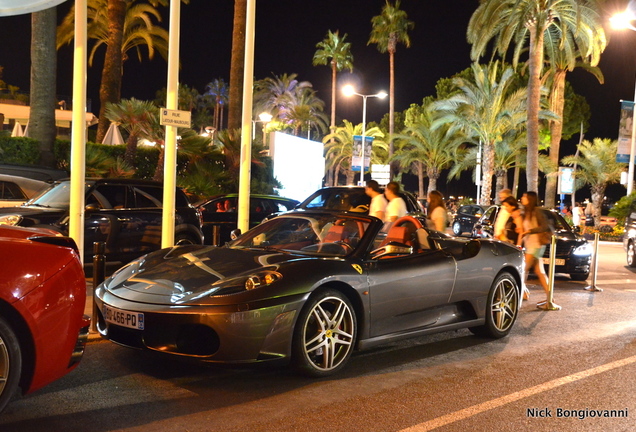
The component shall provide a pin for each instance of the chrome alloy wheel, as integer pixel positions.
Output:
(631, 259)
(4, 365)
(505, 304)
(328, 334)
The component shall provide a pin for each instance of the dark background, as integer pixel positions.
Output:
(286, 36)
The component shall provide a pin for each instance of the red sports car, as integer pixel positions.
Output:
(43, 329)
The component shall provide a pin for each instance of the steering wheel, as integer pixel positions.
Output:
(408, 219)
(344, 244)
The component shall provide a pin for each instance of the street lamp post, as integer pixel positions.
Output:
(348, 90)
(624, 20)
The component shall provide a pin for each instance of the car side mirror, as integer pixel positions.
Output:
(471, 248)
(235, 234)
(91, 207)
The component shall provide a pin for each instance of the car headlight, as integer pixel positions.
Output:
(236, 285)
(583, 250)
(11, 219)
(262, 279)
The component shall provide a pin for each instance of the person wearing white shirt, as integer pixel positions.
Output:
(502, 217)
(396, 207)
(378, 201)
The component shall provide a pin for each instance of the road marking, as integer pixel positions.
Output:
(513, 397)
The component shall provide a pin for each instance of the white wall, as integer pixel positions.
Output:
(299, 164)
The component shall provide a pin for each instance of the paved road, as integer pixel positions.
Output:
(579, 361)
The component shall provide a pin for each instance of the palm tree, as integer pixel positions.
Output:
(43, 67)
(564, 54)
(339, 148)
(484, 110)
(237, 65)
(307, 113)
(388, 29)
(229, 142)
(278, 94)
(136, 117)
(121, 25)
(527, 21)
(334, 51)
(430, 150)
(218, 91)
(596, 166)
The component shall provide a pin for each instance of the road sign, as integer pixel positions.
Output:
(175, 118)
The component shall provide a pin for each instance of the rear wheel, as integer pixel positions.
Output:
(325, 334)
(631, 259)
(502, 308)
(457, 228)
(10, 363)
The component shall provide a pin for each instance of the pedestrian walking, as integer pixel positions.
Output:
(397, 206)
(436, 212)
(378, 204)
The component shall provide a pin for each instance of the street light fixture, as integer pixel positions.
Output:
(621, 21)
(348, 90)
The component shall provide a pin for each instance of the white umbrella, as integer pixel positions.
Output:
(113, 136)
(26, 130)
(17, 130)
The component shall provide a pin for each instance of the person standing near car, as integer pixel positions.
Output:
(378, 204)
(532, 237)
(436, 211)
(502, 216)
(397, 206)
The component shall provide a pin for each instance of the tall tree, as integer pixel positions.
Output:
(484, 110)
(334, 51)
(564, 52)
(430, 149)
(277, 95)
(43, 67)
(525, 22)
(388, 29)
(218, 91)
(339, 148)
(596, 166)
(121, 25)
(237, 65)
(135, 116)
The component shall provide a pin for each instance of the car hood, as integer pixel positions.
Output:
(185, 274)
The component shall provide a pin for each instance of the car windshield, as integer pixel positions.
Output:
(56, 197)
(342, 199)
(325, 235)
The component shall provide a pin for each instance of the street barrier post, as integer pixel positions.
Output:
(594, 266)
(99, 269)
(550, 305)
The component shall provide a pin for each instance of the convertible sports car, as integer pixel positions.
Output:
(310, 287)
(43, 329)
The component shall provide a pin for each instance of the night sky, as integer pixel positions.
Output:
(286, 34)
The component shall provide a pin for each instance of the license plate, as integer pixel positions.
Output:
(133, 320)
(558, 261)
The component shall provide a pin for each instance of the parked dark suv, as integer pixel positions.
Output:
(629, 240)
(573, 252)
(125, 214)
(350, 198)
(220, 217)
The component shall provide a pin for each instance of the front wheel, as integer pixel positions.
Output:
(457, 228)
(631, 259)
(502, 308)
(325, 334)
(10, 363)
(579, 276)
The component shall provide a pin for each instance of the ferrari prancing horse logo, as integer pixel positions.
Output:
(357, 268)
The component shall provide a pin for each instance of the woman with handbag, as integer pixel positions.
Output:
(534, 233)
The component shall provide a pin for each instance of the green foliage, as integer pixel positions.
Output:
(19, 150)
(621, 209)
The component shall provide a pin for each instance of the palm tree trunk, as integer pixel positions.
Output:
(393, 165)
(110, 87)
(534, 99)
(237, 65)
(420, 178)
(488, 166)
(556, 127)
(43, 75)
